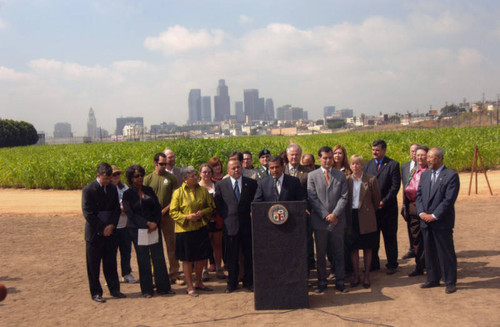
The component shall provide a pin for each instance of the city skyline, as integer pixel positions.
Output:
(135, 58)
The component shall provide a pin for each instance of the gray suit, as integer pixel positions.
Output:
(326, 199)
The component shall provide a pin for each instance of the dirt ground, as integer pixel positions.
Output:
(42, 263)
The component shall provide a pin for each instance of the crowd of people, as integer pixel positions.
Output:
(204, 217)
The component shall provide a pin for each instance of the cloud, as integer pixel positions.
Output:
(131, 66)
(244, 19)
(7, 74)
(178, 39)
(74, 71)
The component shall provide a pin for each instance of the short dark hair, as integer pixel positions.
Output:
(104, 169)
(158, 155)
(236, 154)
(309, 154)
(131, 171)
(382, 144)
(423, 147)
(276, 158)
(247, 152)
(324, 149)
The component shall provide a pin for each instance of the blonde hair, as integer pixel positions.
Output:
(356, 158)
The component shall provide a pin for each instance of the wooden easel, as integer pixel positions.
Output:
(475, 170)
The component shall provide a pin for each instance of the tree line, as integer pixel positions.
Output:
(16, 133)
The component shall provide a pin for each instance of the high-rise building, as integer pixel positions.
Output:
(328, 111)
(346, 113)
(122, 121)
(206, 109)
(62, 130)
(250, 100)
(92, 125)
(280, 112)
(239, 112)
(222, 106)
(269, 110)
(194, 106)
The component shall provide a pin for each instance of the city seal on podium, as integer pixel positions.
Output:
(278, 214)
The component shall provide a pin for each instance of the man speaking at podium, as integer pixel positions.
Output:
(277, 186)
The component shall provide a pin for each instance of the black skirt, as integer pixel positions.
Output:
(361, 241)
(192, 246)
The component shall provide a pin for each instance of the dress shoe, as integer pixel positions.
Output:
(366, 285)
(409, 255)
(374, 268)
(204, 288)
(391, 271)
(356, 282)
(98, 298)
(204, 275)
(129, 279)
(229, 290)
(220, 274)
(250, 288)
(320, 290)
(416, 272)
(169, 292)
(450, 288)
(429, 284)
(341, 288)
(118, 295)
(147, 295)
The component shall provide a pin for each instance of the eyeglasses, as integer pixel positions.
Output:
(138, 176)
(162, 163)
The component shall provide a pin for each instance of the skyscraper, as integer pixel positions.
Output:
(269, 110)
(91, 124)
(222, 105)
(122, 121)
(194, 106)
(206, 109)
(328, 111)
(250, 100)
(238, 111)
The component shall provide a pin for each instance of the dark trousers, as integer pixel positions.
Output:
(102, 249)
(418, 242)
(233, 244)
(311, 263)
(147, 254)
(125, 247)
(336, 238)
(408, 227)
(440, 257)
(387, 222)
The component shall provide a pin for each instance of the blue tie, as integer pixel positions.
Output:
(237, 190)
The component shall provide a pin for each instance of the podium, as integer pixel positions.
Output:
(279, 241)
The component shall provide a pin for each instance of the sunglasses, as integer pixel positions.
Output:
(138, 176)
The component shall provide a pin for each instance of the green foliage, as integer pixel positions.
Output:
(72, 166)
(16, 133)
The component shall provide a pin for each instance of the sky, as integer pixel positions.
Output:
(59, 58)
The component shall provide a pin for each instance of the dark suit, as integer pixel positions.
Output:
(237, 227)
(326, 199)
(405, 174)
(101, 202)
(389, 182)
(440, 258)
(290, 190)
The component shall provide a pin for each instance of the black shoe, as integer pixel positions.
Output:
(429, 284)
(118, 295)
(320, 290)
(409, 255)
(416, 272)
(229, 290)
(169, 292)
(356, 282)
(374, 268)
(366, 285)
(391, 271)
(450, 288)
(98, 298)
(341, 288)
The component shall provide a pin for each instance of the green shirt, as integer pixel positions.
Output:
(185, 202)
(163, 185)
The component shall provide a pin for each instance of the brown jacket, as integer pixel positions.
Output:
(369, 200)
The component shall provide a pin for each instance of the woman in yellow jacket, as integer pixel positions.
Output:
(191, 208)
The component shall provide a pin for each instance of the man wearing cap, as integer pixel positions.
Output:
(263, 170)
(164, 183)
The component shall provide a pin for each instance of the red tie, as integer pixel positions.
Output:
(327, 177)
